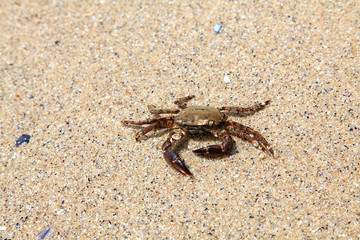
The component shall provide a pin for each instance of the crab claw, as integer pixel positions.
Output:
(217, 150)
(176, 162)
(212, 150)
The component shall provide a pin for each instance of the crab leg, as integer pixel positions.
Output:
(154, 110)
(171, 157)
(145, 130)
(181, 102)
(245, 111)
(156, 123)
(217, 150)
(248, 134)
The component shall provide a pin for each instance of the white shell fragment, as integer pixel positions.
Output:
(227, 79)
(217, 28)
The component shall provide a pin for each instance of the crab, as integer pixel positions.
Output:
(194, 120)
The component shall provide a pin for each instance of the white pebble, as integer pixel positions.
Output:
(217, 28)
(227, 79)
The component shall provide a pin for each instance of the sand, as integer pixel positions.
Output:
(71, 71)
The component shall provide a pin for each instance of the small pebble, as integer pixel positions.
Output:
(227, 79)
(23, 139)
(217, 28)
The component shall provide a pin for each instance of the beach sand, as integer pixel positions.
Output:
(72, 71)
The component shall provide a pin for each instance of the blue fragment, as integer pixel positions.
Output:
(44, 234)
(217, 28)
(23, 139)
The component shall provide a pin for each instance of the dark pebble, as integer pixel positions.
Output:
(23, 139)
